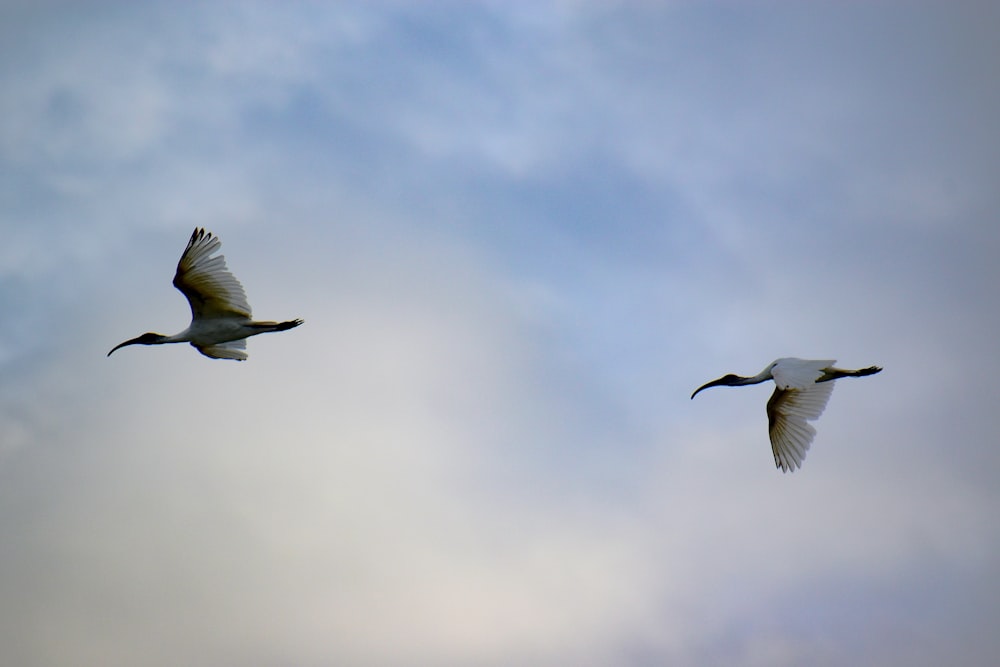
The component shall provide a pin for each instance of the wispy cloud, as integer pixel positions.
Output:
(519, 236)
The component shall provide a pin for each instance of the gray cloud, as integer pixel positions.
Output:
(519, 237)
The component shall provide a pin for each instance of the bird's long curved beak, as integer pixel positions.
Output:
(131, 341)
(724, 380)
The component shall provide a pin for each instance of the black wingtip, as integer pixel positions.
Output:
(199, 234)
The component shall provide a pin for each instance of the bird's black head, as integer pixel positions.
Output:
(145, 339)
(727, 380)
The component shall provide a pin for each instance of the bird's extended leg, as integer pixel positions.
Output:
(290, 324)
(268, 327)
(837, 373)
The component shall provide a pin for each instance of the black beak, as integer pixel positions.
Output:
(131, 341)
(722, 381)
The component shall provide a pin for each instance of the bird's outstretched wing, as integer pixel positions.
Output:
(208, 285)
(788, 413)
(233, 349)
(791, 373)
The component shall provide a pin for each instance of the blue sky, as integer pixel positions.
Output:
(520, 235)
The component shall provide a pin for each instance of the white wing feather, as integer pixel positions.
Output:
(208, 285)
(233, 349)
(788, 414)
(791, 373)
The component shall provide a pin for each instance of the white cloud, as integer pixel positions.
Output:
(341, 486)
(479, 449)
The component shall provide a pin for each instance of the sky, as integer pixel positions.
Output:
(520, 235)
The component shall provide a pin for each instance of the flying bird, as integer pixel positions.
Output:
(220, 315)
(802, 389)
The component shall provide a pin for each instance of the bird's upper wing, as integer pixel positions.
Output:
(208, 285)
(233, 349)
(788, 412)
(793, 373)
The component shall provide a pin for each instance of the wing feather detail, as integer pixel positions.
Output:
(791, 373)
(211, 290)
(788, 414)
(233, 349)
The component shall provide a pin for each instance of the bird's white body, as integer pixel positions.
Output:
(221, 319)
(218, 337)
(792, 373)
(802, 390)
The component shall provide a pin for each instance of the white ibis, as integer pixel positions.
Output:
(220, 315)
(802, 388)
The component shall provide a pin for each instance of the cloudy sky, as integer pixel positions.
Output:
(520, 234)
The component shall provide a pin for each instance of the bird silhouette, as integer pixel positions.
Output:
(802, 389)
(220, 315)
